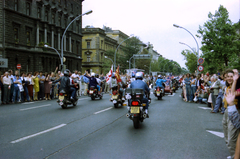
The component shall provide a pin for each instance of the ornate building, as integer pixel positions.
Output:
(26, 25)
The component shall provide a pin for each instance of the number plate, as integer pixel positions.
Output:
(114, 96)
(114, 102)
(61, 97)
(134, 110)
(91, 92)
(173, 87)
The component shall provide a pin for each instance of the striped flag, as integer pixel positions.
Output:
(109, 76)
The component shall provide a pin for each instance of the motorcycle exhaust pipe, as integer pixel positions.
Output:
(127, 115)
(144, 116)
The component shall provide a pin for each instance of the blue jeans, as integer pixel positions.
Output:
(26, 92)
(189, 92)
(72, 91)
(219, 101)
(16, 92)
(99, 88)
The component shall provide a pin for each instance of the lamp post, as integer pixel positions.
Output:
(117, 49)
(177, 26)
(86, 13)
(53, 49)
(108, 58)
(187, 45)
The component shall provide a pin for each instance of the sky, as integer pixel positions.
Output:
(152, 20)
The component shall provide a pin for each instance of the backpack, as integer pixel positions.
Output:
(85, 79)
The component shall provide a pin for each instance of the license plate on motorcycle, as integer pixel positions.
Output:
(114, 96)
(61, 97)
(114, 102)
(134, 110)
(173, 87)
(91, 92)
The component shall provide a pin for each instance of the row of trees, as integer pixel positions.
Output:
(133, 46)
(220, 44)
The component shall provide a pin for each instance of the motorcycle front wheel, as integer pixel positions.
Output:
(64, 106)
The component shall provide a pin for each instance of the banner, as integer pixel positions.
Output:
(109, 76)
(117, 75)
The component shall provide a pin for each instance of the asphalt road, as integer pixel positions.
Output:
(97, 130)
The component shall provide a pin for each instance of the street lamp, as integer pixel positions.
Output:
(47, 46)
(108, 58)
(86, 13)
(116, 51)
(177, 26)
(187, 45)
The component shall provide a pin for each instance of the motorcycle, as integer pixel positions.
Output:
(116, 98)
(159, 92)
(64, 97)
(93, 93)
(135, 106)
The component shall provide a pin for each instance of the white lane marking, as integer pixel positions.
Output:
(42, 132)
(103, 110)
(219, 134)
(204, 108)
(36, 107)
(28, 103)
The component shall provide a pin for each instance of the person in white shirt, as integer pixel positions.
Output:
(6, 88)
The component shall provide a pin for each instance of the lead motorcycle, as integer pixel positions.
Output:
(116, 97)
(136, 111)
(159, 92)
(64, 97)
(93, 93)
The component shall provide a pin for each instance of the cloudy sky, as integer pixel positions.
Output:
(152, 20)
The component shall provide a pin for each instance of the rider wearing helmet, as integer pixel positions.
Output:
(92, 81)
(138, 83)
(65, 84)
(159, 82)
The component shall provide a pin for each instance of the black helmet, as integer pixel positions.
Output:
(66, 72)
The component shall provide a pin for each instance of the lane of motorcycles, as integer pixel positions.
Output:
(133, 98)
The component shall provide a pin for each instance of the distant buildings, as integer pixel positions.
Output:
(26, 25)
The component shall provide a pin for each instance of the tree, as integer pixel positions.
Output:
(191, 59)
(219, 41)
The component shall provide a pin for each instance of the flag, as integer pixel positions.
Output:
(117, 75)
(109, 76)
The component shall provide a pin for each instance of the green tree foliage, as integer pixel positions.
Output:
(219, 41)
(191, 59)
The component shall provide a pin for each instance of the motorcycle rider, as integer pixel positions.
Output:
(93, 81)
(159, 83)
(117, 85)
(65, 84)
(138, 83)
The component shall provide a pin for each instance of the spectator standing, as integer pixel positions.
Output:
(41, 79)
(12, 86)
(17, 84)
(214, 89)
(36, 85)
(230, 131)
(25, 84)
(29, 79)
(193, 85)
(107, 87)
(47, 87)
(187, 81)
(1, 89)
(7, 88)
(184, 89)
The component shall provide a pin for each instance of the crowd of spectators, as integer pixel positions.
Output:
(213, 91)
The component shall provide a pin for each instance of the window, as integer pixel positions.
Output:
(39, 12)
(41, 36)
(28, 8)
(16, 35)
(65, 22)
(16, 5)
(88, 58)
(49, 39)
(77, 27)
(53, 18)
(101, 44)
(88, 45)
(28, 38)
(59, 20)
(46, 15)
(72, 44)
(77, 48)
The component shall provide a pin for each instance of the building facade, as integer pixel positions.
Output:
(27, 25)
(95, 43)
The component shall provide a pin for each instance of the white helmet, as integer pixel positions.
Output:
(93, 74)
(139, 75)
